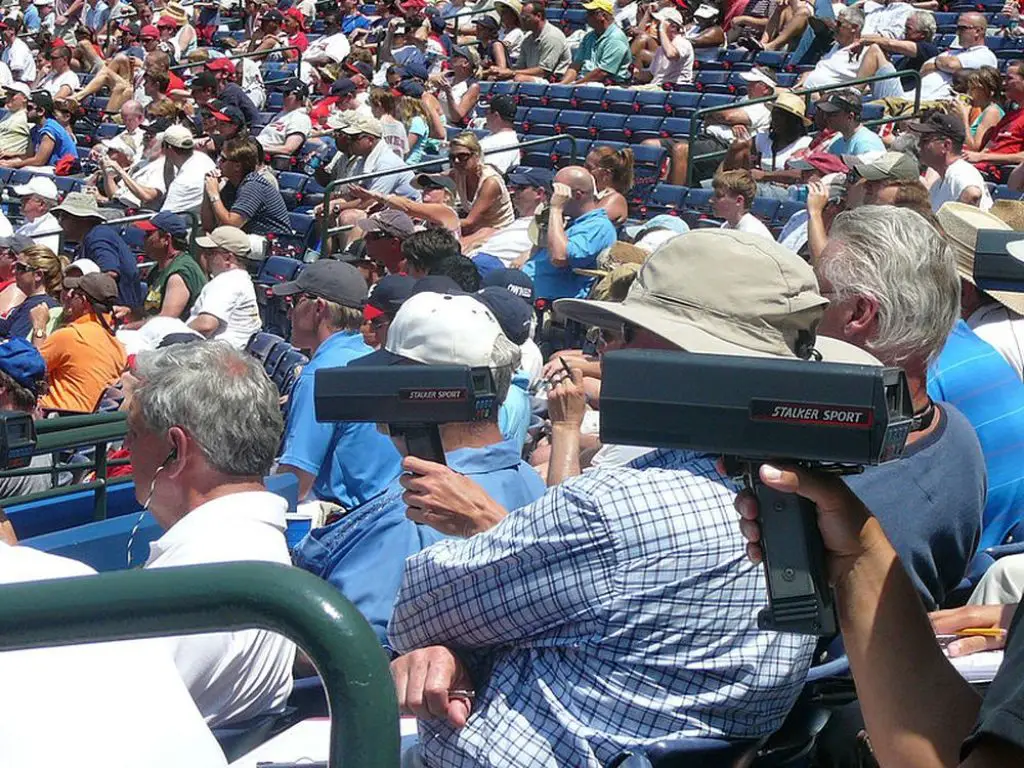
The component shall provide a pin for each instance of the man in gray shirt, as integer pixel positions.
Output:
(544, 53)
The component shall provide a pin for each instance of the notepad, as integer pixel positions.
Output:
(978, 667)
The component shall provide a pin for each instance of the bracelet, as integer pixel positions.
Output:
(215, 199)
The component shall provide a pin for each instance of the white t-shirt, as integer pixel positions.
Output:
(837, 66)
(48, 226)
(185, 192)
(531, 360)
(510, 243)
(230, 298)
(6, 78)
(513, 41)
(233, 676)
(777, 162)
(751, 224)
(148, 173)
(335, 47)
(959, 176)
(1004, 330)
(284, 125)
(938, 85)
(6, 228)
(886, 20)
(105, 721)
(252, 83)
(678, 71)
(18, 57)
(760, 121)
(501, 160)
(53, 82)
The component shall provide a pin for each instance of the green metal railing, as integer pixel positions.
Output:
(235, 57)
(95, 430)
(215, 598)
(696, 121)
(325, 228)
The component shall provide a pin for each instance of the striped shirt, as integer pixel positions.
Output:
(262, 205)
(973, 376)
(615, 611)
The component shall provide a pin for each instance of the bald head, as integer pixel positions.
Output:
(584, 190)
(975, 34)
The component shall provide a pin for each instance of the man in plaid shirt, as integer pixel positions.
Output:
(618, 609)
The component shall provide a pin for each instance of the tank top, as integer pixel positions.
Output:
(502, 214)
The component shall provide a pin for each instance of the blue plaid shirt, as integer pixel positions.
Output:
(616, 610)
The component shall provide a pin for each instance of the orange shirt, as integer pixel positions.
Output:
(82, 359)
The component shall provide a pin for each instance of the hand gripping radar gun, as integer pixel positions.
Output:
(754, 410)
(411, 399)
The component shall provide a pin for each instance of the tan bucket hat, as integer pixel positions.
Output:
(788, 101)
(1009, 211)
(723, 292)
(961, 224)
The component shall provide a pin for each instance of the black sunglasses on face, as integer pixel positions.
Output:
(20, 266)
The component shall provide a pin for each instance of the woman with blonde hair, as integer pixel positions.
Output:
(413, 114)
(480, 193)
(39, 273)
(612, 170)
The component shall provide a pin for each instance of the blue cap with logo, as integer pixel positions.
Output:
(512, 314)
(531, 177)
(515, 281)
(22, 362)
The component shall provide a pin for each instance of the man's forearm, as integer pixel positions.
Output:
(558, 243)
(916, 706)
(564, 461)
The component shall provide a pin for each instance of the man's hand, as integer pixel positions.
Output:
(841, 515)
(951, 621)
(973, 157)
(567, 402)
(432, 684)
(447, 501)
(560, 194)
(817, 197)
(212, 186)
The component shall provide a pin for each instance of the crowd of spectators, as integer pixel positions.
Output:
(546, 597)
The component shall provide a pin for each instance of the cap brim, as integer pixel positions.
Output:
(289, 288)
(382, 357)
(146, 226)
(689, 336)
(827, 106)
(206, 242)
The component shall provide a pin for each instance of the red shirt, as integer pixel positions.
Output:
(318, 114)
(299, 41)
(1004, 138)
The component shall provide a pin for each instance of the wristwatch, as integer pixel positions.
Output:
(39, 333)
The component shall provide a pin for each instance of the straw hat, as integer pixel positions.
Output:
(1011, 212)
(961, 224)
(514, 5)
(788, 101)
(175, 11)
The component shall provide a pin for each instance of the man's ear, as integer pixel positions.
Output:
(863, 320)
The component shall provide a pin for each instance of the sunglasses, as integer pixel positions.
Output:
(460, 158)
(962, 27)
(20, 266)
(296, 299)
(379, 322)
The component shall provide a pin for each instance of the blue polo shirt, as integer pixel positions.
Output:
(352, 462)
(108, 249)
(363, 554)
(515, 413)
(975, 378)
(588, 235)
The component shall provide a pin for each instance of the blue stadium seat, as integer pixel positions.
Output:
(312, 193)
(654, 103)
(785, 211)
(305, 229)
(278, 269)
(641, 127)
(531, 94)
(503, 89)
(588, 98)
(540, 121)
(559, 96)
(521, 114)
(573, 123)
(605, 126)
(560, 152)
(773, 59)
(872, 112)
(291, 186)
(737, 56)
(698, 199)
(619, 100)
(713, 82)
(275, 101)
(67, 184)
(675, 128)
(647, 162)
(715, 100)
(573, 19)
(691, 752)
(683, 103)
(108, 130)
(764, 208)
(666, 198)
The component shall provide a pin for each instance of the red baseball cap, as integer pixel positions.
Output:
(220, 65)
(167, 21)
(149, 31)
(371, 313)
(295, 13)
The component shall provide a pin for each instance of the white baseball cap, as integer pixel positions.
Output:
(84, 267)
(756, 75)
(440, 329)
(38, 185)
(670, 14)
(20, 87)
(705, 11)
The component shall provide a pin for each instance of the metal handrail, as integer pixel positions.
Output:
(325, 229)
(226, 597)
(696, 119)
(235, 57)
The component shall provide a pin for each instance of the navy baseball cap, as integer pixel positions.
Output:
(415, 68)
(512, 314)
(515, 281)
(360, 68)
(389, 294)
(165, 221)
(411, 88)
(531, 177)
(343, 86)
(294, 85)
(22, 362)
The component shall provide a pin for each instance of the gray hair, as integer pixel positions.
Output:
(854, 16)
(505, 359)
(925, 22)
(896, 257)
(220, 396)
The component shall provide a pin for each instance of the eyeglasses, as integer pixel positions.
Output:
(461, 158)
(20, 266)
(379, 322)
(295, 299)
(962, 27)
